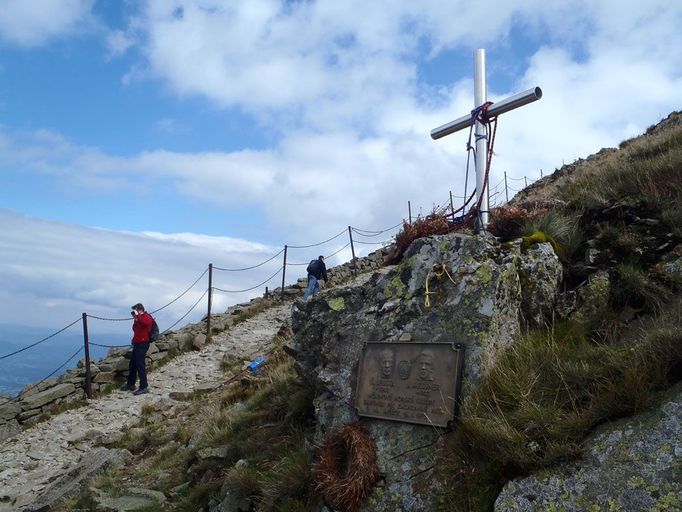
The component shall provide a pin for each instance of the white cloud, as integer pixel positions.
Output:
(339, 84)
(54, 271)
(118, 42)
(29, 23)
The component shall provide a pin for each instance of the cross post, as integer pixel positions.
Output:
(480, 132)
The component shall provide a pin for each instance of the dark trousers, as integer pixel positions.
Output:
(137, 365)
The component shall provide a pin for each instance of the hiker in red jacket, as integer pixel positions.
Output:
(142, 327)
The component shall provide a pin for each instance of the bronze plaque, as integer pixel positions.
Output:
(411, 382)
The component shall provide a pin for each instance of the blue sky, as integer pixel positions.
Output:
(142, 140)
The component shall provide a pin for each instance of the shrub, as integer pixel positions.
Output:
(506, 222)
(435, 223)
(634, 287)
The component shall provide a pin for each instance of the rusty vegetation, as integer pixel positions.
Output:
(347, 467)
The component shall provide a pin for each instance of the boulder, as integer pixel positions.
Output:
(94, 462)
(47, 396)
(475, 298)
(9, 411)
(129, 500)
(32, 389)
(199, 341)
(634, 464)
(9, 429)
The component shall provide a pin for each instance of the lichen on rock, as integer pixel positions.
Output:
(477, 299)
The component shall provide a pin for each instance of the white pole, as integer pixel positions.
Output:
(480, 97)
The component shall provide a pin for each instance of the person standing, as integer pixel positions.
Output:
(316, 270)
(142, 327)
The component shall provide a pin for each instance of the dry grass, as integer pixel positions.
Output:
(545, 394)
(347, 470)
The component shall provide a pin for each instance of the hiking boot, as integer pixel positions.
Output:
(141, 391)
(126, 387)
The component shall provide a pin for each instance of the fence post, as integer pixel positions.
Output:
(352, 250)
(525, 180)
(452, 207)
(409, 211)
(506, 189)
(284, 271)
(210, 300)
(266, 292)
(86, 345)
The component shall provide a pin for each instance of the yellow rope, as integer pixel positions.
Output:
(438, 273)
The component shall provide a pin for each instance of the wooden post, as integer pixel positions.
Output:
(266, 292)
(409, 211)
(284, 271)
(525, 180)
(210, 300)
(352, 250)
(86, 344)
(452, 206)
(506, 188)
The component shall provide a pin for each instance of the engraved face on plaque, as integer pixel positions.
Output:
(412, 382)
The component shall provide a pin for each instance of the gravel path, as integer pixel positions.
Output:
(38, 455)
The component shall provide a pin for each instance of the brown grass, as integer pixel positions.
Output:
(347, 468)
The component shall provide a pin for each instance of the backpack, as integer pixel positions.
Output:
(154, 333)
(312, 266)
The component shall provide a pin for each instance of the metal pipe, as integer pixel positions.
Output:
(505, 105)
(480, 132)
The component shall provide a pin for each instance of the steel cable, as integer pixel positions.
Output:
(373, 243)
(107, 346)
(326, 257)
(188, 312)
(363, 232)
(249, 289)
(319, 243)
(45, 378)
(156, 310)
(41, 341)
(248, 268)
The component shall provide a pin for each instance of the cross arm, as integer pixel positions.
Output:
(505, 105)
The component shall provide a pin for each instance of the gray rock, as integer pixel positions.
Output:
(9, 411)
(9, 429)
(199, 341)
(541, 274)
(33, 389)
(632, 465)
(71, 482)
(131, 499)
(105, 377)
(47, 396)
(478, 302)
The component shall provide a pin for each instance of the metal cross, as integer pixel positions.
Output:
(480, 97)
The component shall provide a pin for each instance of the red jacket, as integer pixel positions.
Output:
(142, 326)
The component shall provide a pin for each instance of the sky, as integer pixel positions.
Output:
(142, 140)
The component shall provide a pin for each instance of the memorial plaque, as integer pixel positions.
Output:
(411, 382)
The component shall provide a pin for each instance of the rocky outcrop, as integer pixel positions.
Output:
(630, 465)
(97, 460)
(479, 293)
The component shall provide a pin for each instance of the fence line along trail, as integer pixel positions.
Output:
(33, 458)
